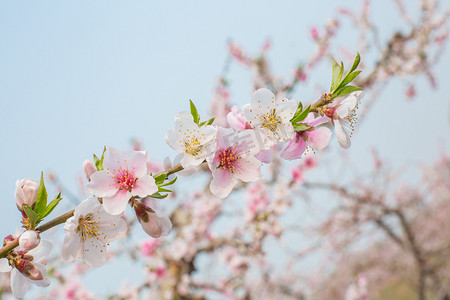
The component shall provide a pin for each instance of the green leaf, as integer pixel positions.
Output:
(158, 196)
(301, 127)
(348, 79)
(160, 178)
(337, 72)
(170, 182)
(99, 162)
(32, 216)
(298, 111)
(345, 91)
(194, 112)
(50, 207)
(301, 116)
(355, 62)
(210, 121)
(41, 202)
(163, 190)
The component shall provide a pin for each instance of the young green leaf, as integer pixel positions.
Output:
(50, 207)
(348, 79)
(170, 182)
(301, 127)
(345, 91)
(160, 178)
(41, 202)
(298, 111)
(355, 62)
(158, 196)
(99, 162)
(32, 216)
(194, 112)
(163, 190)
(301, 116)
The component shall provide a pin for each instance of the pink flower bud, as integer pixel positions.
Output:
(29, 240)
(26, 192)
(89, 169)
(29, 270)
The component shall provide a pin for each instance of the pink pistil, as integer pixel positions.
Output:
(227, 158)
(125, 179)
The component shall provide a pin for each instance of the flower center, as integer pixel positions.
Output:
(125, 179)
(193, 146)
(87, 227)
(271, 121)
(227, 158)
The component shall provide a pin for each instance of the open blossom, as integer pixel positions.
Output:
(343, 116)
(124, 176)
(316, 138)
(89, 231)
(271, 116)
(189, 139)
(234, 160)
(26, 192)
(27, 267)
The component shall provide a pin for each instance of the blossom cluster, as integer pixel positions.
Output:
(234, 153)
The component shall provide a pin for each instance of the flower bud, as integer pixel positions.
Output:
(89, 169)
(29, 270)
(30, 239)
(153, 224)
(26, 192)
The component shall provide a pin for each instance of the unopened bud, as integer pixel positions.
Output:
(29, 270)
(9, 238)
(89, 169)
(30, 239)
(329, 112)
(26, 192)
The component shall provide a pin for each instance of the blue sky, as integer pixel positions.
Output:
(78, 75)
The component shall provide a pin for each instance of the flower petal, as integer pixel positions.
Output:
(248, 169)
(102, 184)
(19, 284)
(116, 204)
(86, 206)
(111, 159)
(236, 118)
(318, 121)
(94, 253)
(144, 186)
(319, 138)
(173, 140)
(222, 183)
(348, 104)
(136, 161)
(71, 248)
(157, 225)
(112, 230)
(341, 135)
(265, 156)
(4, 265)
(41, 251)
(189, 161)
(294, 149)
(264, 98)
(286, 109)
(45, 281)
